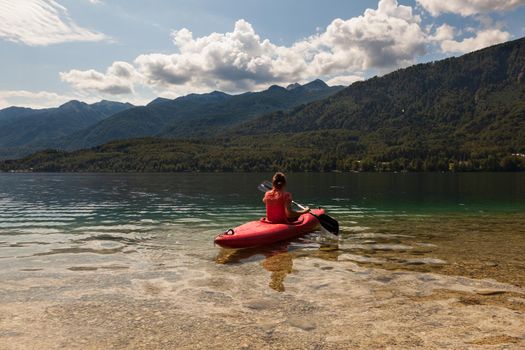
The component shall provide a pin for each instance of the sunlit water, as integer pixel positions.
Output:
(76, 243)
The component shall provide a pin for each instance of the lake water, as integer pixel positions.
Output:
(128, 261)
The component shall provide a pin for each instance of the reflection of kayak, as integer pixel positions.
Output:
(261, 232)
(277, 260)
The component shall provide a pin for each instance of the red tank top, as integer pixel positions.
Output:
(276, 203)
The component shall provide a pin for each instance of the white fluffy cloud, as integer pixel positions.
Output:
(347, 50)
(382, 39)
(444, 32)
(229, 61)
(379, 40)
(390, 36)
(468, 7)
(38, 99)
(118, 79)
(481, 39)
(48, 99)
(41, 22)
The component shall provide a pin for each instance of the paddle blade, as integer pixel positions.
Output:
(263, 188)
(330, 224)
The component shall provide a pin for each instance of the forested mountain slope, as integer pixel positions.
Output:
(474, 103)
(22, 129)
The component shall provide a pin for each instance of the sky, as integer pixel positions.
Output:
(53, 51)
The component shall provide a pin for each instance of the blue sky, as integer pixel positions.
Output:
(56, 50)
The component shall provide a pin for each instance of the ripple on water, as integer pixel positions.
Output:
(114, 236)
(360, 258)
(354, 228)
(422, 261)
(128, 227)
(94, 249)
(192, 220)
(33, 224)
(16, 219)
(376, 247)
(378, 235)
(45, 214)
(33, 230)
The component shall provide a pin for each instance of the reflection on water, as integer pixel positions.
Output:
(92, 242)
(278, 258)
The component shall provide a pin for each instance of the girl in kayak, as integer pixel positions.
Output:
(279, 202)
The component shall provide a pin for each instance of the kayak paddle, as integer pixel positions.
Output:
(327, 222)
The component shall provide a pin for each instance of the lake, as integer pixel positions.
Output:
(128, 261)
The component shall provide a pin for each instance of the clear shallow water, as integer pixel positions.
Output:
(80, 219)
(150, 236)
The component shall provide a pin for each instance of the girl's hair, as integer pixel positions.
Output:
(278, 181)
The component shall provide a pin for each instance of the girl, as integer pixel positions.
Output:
(279, 203)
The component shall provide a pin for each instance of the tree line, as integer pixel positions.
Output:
(290, 153)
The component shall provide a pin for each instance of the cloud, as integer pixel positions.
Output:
(49, 99)
(483, 38)
(40, 23)
(444, 32)
(235, 60)
(344, 80)
(446, 35)
(118, 79)
(468, 7)
(383, 39)
(32, 99)
(96, 2)
(388, 37)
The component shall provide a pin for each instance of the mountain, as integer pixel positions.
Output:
(316, 85)
(293, 86)
(473, 103)
(461, 114)
(158, 100)
(195, 115)
(108, 108)
(14, 112)
(24, 129)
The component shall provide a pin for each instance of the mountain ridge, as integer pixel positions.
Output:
(193, 115)
(26, 128)
(464, 113)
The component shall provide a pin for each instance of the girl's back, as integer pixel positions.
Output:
(279, 202)
(276, 203)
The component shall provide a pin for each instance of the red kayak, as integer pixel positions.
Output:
(261, 232)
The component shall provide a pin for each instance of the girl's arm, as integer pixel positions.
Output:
(292, 214)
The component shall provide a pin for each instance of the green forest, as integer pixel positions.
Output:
(318, 151)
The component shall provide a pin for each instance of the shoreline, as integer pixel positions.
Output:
(257, 171)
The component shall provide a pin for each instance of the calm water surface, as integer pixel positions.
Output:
(413, 221)
(70, 236)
